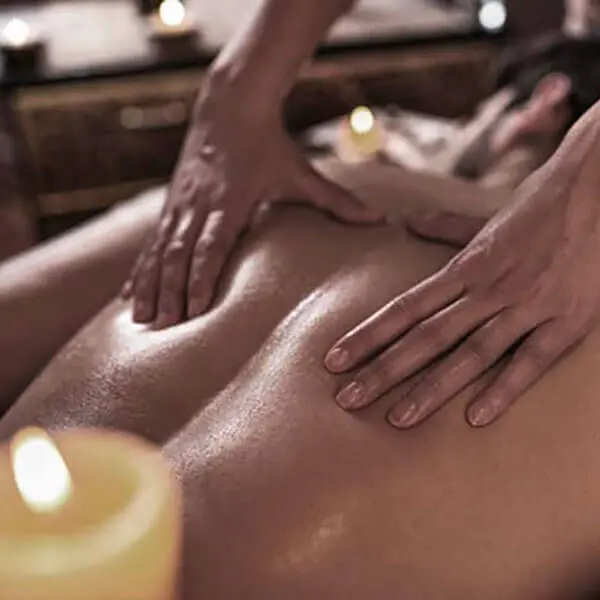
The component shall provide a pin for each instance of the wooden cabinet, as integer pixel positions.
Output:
(90, 144)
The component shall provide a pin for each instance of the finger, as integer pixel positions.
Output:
(393, 320)
(531, 359)
(335, 200)
(145, 287)
(176, 260)
(474, 389)
(454, 229)
(419, 347)
(474, 356)
(210, 254)
(129, 286)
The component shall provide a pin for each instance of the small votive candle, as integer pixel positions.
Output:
(360, 136)
(88, 514)
(171, 21)
(19, 44)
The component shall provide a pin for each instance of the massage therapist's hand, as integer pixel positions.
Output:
(449, 228)
(236, 157)
(526, 288)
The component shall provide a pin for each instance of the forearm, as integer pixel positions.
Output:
(571, 177)
(269, 49)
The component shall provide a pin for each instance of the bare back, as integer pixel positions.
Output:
(288, 496)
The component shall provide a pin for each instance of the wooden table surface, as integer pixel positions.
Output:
(88, 34)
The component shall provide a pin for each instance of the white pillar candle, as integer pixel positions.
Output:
(94, 516)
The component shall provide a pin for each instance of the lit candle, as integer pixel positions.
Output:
(20, 45)
(360, 136)
(16, 34)
(171, 20)
(95, 516)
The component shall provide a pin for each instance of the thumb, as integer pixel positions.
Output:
(340, 203)
(451, 228)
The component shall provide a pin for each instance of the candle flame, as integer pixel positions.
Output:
(40, 472)
(172, 12)
(362, 120)
(16, 32)
(492, 15)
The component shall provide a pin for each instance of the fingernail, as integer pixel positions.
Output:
(481, 416)
(337, 359)
(351, 396)
(405, 417)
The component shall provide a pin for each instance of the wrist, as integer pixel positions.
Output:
(267, 52)
(248, 73)
(235, 97)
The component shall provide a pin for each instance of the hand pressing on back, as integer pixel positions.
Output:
(236, 157)
(517, 297)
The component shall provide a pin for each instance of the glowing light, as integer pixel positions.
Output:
(172, 13)
(362, 120)
(16, 32)
(492, 15)
(40, 473)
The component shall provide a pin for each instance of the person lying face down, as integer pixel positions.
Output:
(286, 496)
(538, 90)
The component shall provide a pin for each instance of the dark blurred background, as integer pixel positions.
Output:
(95, 97)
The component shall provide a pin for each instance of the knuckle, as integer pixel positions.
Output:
(176, 251)
(401, 308)
(535, 355)
(153, 252)
(199, 260)
(431, 336)
(202, 248)
(476, 349)
(206, 248)
(215, 219)
(362, 342)
(164, 227)
(197, 277)
(173, 275)
(380, 375)
(375, 378)
(144, 283)
(431, 393)
(212, 243)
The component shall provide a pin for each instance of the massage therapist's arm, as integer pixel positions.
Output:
(517, 297)
(236, 156)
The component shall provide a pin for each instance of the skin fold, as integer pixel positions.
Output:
(286, 495)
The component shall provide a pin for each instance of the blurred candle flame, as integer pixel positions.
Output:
(16, 32)
(172, 12)
(362, 120)
(40, 472)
